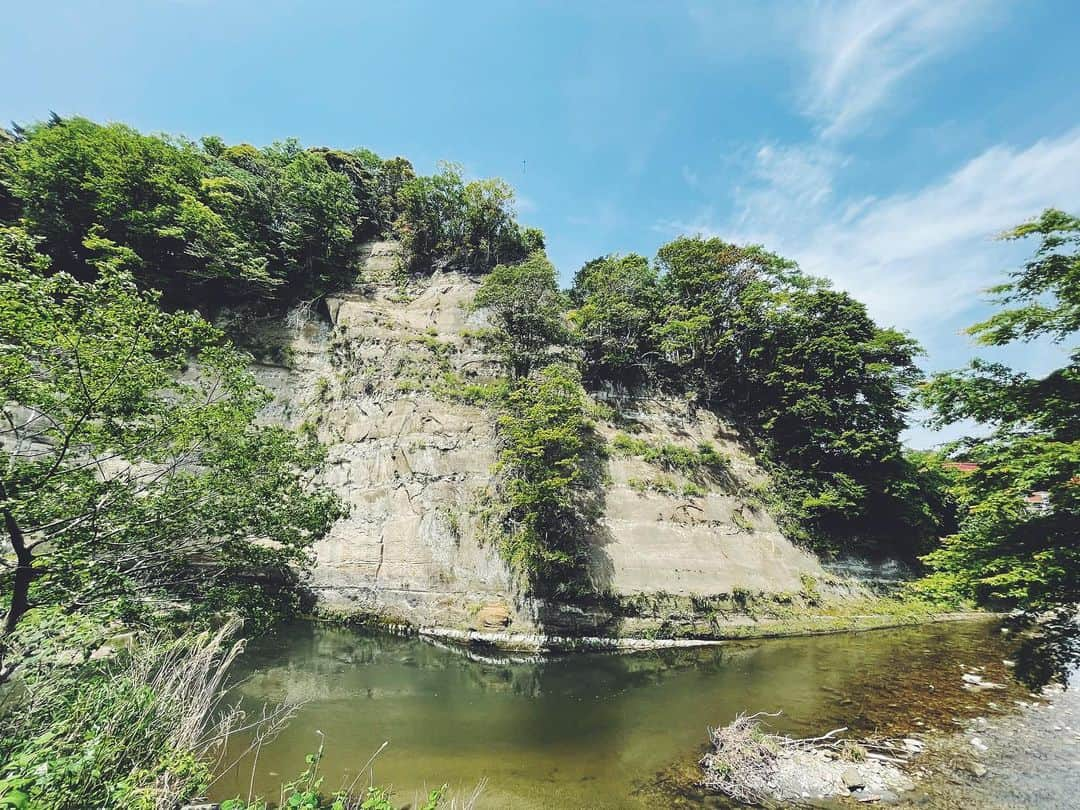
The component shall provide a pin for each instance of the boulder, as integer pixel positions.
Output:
(853, 779)
(492, 616)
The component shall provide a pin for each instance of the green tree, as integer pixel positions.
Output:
(526, 308)
(714, 300)
(9, 205)
(75, 178)
(548, 470)
(615, 300)
(315, 220)
(469, 226)
(209, 223)
(1007, 549)
(819, 383)
(827, 387)
(490, 233)
(132, 471)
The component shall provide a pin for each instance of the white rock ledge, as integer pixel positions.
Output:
(531, 642)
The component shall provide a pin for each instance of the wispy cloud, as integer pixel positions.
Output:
(925, 256)
(787, 183)
(916, 259)
(861, 52)
(921, 260)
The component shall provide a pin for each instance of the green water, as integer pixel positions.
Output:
(584, 730)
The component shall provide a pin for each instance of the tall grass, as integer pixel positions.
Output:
(140, 729)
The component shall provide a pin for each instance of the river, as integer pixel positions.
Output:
(587, 729)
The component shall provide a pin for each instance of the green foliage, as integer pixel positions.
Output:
(526, 310)
(1047, 289)
(1006, 549)
(830, 399)
(209, 223)
(305, 793)
(548, 471)
(131, 731)
(76, 180)
(132, 470)
(615, 300)
(665, 485)
(705, 460)
(470, 226)
(821, 385)
(809, 591)
(626, 445)
(479, 392)
(714, 300)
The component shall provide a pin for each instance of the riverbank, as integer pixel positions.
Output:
(773, 621)
(735, 631)
(998, 746)
(1027, 759)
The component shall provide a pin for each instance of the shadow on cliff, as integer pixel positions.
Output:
(579, 607)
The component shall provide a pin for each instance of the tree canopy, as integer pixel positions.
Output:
(211, 224)
(821, 385)
(525, 307)
(133, 474)
(1020, 507)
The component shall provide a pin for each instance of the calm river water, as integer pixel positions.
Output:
(585, 730)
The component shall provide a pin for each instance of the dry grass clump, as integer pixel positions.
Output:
(753, 767)
(743, 761)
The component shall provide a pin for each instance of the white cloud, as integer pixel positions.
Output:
(916, 259)
(860, 52)
(920, 261)
(925, 256)
(788, 182)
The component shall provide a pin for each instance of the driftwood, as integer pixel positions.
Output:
(743, 763)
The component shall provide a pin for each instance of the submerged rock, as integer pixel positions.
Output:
(853, 778)
(976, 769)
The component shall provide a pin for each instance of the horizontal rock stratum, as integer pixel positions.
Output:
(366, 370)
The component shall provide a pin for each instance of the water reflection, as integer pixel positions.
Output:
(587, 730)
(1049, 649)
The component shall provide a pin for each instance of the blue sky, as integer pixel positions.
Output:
(881, 144)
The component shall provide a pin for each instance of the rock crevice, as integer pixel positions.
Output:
(380, 382)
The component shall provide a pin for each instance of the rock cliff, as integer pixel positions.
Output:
(381, 375)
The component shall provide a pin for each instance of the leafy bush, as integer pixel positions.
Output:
(549, 470)
(133, 731)
(305, 793)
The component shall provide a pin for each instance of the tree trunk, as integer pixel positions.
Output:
(24, 572)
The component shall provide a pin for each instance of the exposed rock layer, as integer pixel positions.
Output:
(377, 373)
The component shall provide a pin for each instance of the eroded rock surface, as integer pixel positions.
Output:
(379, 374)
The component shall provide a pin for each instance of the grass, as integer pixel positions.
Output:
(702, 461)
(745, 613)
(665, 485)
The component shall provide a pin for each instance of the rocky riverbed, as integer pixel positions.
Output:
(1021, 751)
(1027, 759)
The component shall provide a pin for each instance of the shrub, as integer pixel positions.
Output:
(133, 731)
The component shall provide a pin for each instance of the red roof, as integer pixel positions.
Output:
(962, 466)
